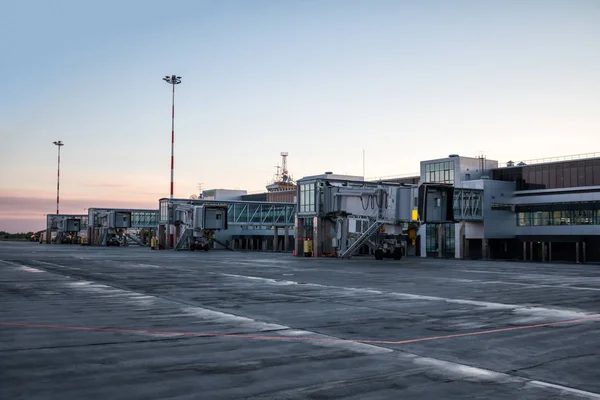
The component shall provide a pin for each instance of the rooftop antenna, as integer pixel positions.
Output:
(364, 177)
(481, 157)
(285, 175)
(284, 155)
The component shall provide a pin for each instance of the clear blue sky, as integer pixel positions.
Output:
(321, 79)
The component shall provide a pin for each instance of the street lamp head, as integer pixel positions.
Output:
(172, 80)
(59, 143)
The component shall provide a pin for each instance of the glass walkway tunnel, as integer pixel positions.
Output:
(250, 225)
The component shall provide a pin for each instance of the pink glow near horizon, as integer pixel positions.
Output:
(23, 214)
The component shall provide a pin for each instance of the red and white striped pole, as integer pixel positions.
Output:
(58, 144)
(172, 139)
(172, 80)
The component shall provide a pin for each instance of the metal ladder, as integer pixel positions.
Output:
(183, 239)
(366, 235)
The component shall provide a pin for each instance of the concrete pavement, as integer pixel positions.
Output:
(83, 322)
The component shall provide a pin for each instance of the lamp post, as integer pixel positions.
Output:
(172, 80)
(58, 144)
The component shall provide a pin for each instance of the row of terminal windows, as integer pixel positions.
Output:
(585, 213)
(441, 172)
(552, 176)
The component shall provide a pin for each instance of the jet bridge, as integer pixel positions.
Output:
(196, 225)
(119, 226)
(65, 228)
(343, 217)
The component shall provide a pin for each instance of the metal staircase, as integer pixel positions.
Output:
(223, 244)
(135, 239)
(183, 239)
(104, 237)
(362, 239)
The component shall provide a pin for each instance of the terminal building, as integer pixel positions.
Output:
(540, 210)
(555, 209)
(455, 207)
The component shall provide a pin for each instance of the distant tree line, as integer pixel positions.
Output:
(15, 236)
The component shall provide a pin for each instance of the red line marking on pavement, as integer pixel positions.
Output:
(283, 338)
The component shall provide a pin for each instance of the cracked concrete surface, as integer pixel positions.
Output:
(299, 317)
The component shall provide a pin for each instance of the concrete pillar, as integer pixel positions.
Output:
(167, 230)
(549, 251)
(275, 239)
(543, 251)
(531, 251)
(286, 241)
(460, 240)
(583, 252)
(299, 236)
(577, 252)
(440, 234)
(169, 237)
(264, 245)
(484, 249)
(316, 236)
(524, 251)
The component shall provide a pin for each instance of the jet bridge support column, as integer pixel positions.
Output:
(531, 250)
(485, 249)
(440, 235)
(275, 239)
(286, 231)
(316, 237)
(299, 235)
(543, 251)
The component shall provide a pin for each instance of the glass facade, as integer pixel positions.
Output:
(164, 211)
(307, 198)
(432, 242)
(144, 218)
(552, 176)
(583, 213)
(440, 172)
(262, 214)
(256, 214)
